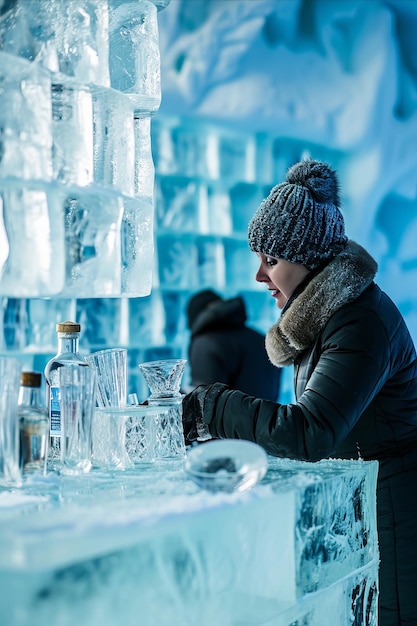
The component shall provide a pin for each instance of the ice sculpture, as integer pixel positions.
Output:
(81, 79)
(299, 548)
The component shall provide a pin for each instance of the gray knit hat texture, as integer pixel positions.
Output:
(300, 220)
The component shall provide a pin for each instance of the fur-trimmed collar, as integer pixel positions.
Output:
(341, 281)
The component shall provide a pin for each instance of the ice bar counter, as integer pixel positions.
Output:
(149, 547)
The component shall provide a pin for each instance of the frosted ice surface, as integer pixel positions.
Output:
(68, 37)
(25, 120)
(144, 166)
(26, 324)
(245, 199)
(114, 148)
(163, 148)
(236, 157)
(175, 323)
(324, 550)
(101, 320)
(147, 320)
(202, 150)
(177, 204)
(107, 549)
(134, 57)
(32, 234)
(72, 127)
(177, 261)
(93, 247)
(137, 247)
(219, 211)
(211, 264)
(191, 151)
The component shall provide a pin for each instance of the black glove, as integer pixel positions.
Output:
(193, 412)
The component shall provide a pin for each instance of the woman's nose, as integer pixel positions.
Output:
(260, 275)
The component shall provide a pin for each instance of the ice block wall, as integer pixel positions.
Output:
(80, 81)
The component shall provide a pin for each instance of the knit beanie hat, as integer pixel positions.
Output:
(300, 220)
(198, 303)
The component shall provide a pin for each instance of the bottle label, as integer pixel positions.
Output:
(55, 413)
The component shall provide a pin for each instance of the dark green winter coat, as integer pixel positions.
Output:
(355, 372)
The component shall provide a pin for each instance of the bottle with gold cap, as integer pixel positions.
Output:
(33, 422)
(67, 355)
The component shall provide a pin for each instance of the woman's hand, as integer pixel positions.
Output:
(194, 425)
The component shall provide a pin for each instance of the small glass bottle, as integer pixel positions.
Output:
(33, 422)
(67, 355)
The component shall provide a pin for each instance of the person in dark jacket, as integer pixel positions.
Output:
(355, 367)
(224, 349)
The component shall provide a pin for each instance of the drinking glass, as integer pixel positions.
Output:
(109, 423)
(164, 381)
(109, 438)
(10, 369)
(111, 368)
(77, 386)
(163, 377)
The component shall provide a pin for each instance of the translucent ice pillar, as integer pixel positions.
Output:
(80, 81)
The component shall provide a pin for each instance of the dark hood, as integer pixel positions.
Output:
(221, 314)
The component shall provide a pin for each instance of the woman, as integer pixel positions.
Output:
(355, 367)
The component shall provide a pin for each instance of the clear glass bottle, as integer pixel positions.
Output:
(33, 423)
(67, 355)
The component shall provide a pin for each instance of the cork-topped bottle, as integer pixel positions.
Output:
(67, 356)
(33, 422)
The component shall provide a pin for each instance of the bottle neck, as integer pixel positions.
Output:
(68, 342)
(29, 396)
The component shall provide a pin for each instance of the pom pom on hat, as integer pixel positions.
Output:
(300, 220)
(318, 177)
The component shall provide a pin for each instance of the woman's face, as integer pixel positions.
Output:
(280, 276)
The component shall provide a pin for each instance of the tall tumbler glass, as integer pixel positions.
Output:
(77, 387)
(111, 368)
(10, 369)
(109, 423)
